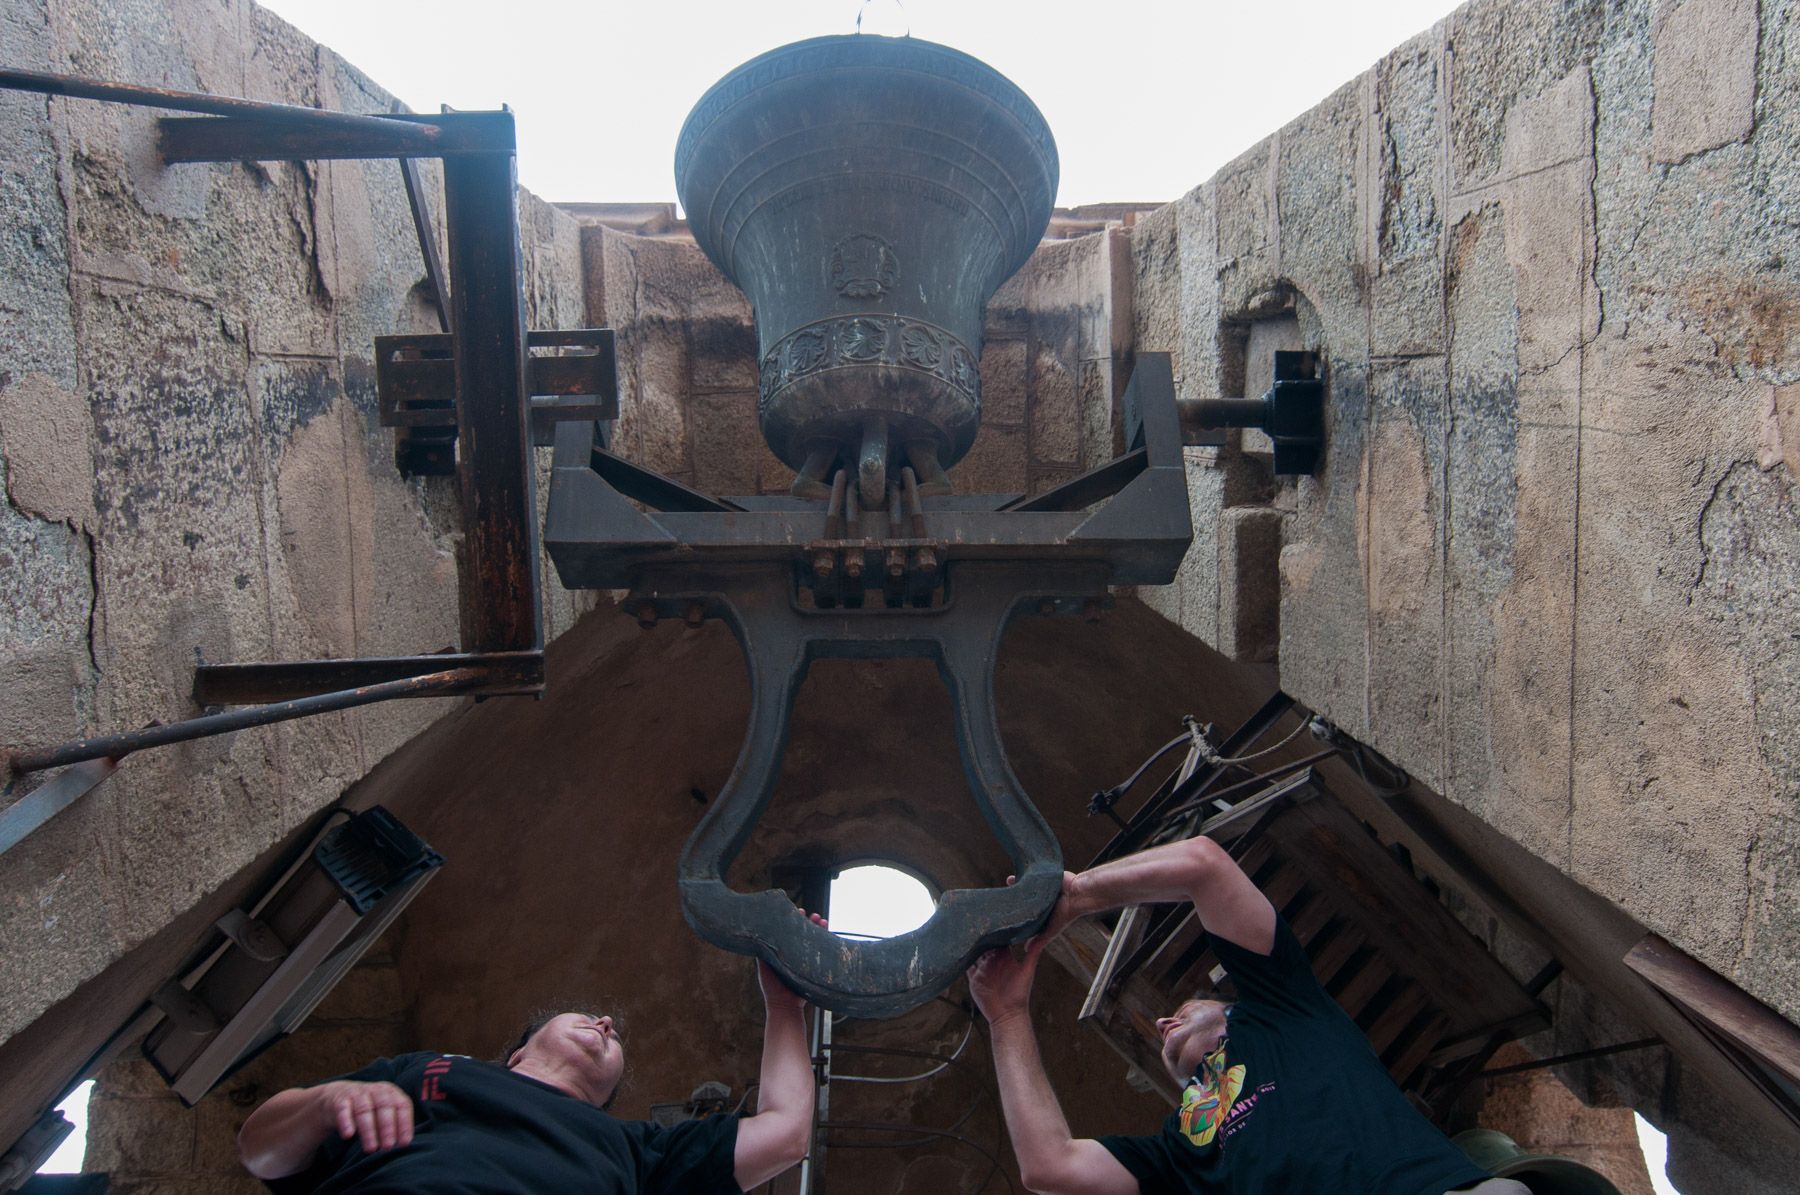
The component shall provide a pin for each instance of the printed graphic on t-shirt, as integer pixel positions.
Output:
(431, 1086)
(1208, 1099)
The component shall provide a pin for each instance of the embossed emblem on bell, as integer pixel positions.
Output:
(922, 179)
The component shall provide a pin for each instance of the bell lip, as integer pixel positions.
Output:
(1004, 92)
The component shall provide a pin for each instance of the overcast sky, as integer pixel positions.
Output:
(1147, 98)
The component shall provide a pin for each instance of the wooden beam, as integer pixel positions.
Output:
(1758, 1030)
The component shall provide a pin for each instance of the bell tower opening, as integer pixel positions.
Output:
(876, 899)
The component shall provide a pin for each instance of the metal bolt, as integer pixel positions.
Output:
(695, 614)
(926, 559)
(646, 615)
(1046, 606)
(853, 564)
(896, 562)
(823, 564)
(1092, 610)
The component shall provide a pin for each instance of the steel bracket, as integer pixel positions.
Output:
(781, 636)
(792, 578)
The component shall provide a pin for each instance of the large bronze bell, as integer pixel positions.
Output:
(869, 194)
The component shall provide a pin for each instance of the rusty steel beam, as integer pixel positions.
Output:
(505, 673)
(452, 683)
(501, 610)
(422, 138)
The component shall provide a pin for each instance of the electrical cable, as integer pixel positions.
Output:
(957, 1053)
(1215, 758)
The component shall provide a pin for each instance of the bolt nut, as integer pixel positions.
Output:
(1092, 610)
(1046, 606)
(646, 615)
(695, 614)
(823, 564)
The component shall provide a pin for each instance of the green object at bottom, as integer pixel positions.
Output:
(1545, 1174)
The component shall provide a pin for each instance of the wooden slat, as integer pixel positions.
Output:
(1118, 944)
(1410, 929)
(1410, 1052)
(1363, 986)
(1328, 962)
(1128, 1024)
(1312, 920)
(1284, 886)
(1396, 1017)
(1761, 1032)
(1176, 942)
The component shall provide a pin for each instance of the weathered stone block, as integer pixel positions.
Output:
(1244, 198)
(1500, 53)
(1402, 548)
(1324, 605)
(1197, 348)
(725, 433)
(996, 464)
(1250, 583)
(1704, 74)
(723, 356)
(1055, 412)
(1156, 284)
(139, 1137)
(1003, 383)
(36, 320)
(653, 411)
(1317, 231)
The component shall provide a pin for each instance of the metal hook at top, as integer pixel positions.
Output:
(900, 12)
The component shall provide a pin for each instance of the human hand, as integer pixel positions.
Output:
(775, 991)
(1001, 979)
(1067, 909)
(379, 1115)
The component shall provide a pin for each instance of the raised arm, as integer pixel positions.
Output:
(781, 1131)
(1051, 1161)
(1230, 906)
(281, 1137)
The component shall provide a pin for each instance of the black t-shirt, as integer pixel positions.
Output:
(479, 1129)
(1293, 1100)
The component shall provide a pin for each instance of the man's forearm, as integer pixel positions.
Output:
(781, 1131)
(281, 1137)
(787, 1073)
(1171, 872)
(1034, 1119)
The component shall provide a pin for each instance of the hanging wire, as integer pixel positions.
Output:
(968, 1032)
(1213, 757)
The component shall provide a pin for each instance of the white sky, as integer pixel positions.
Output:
(878, 902)
(1146, 98)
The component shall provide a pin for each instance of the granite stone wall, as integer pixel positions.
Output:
(1549, 562)
(194, 469)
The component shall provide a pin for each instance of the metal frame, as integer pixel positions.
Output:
(488, 377)
(932, 576)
